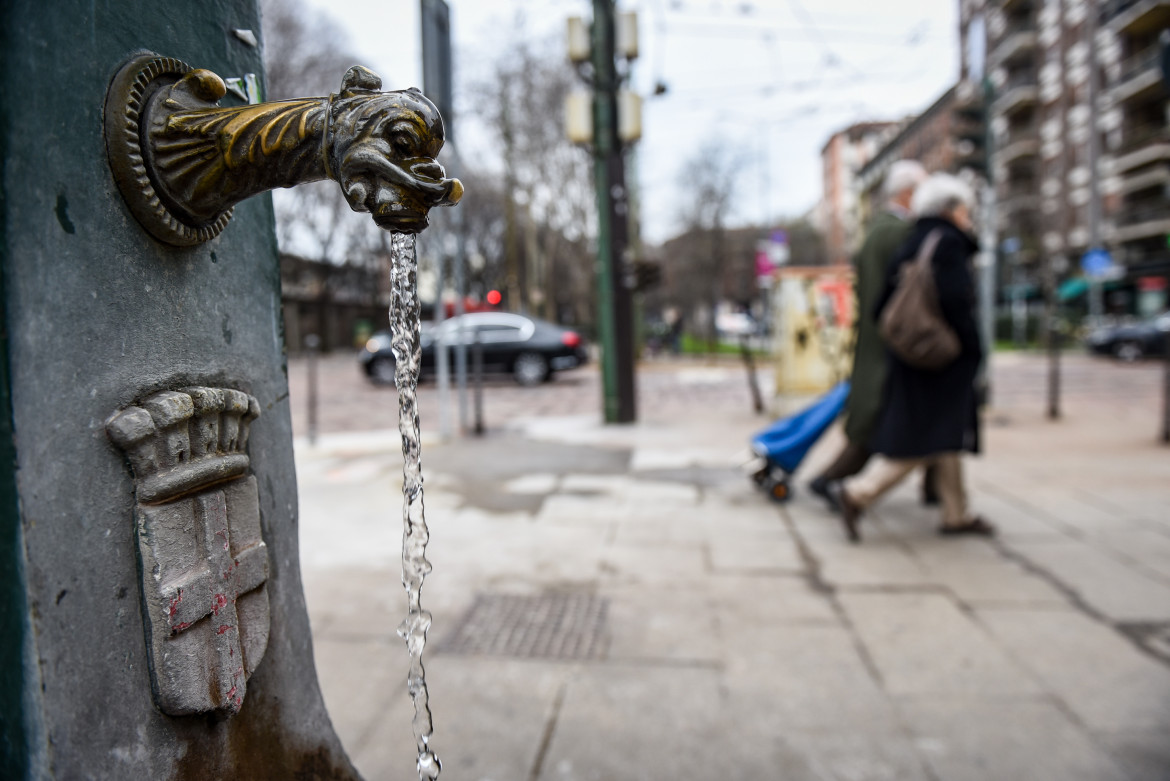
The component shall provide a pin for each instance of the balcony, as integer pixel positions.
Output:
(1141, 77)
(1017, 144)
(1020, 39)
(1155, 177)
(1142, 146)
(1142, 220)
(1020, 92)
(1135, 17)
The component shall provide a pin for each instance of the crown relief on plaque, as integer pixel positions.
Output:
(204, 562)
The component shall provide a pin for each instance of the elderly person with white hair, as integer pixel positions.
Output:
(886, 235)
(929, 416)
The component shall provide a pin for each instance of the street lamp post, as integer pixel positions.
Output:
(615, 279)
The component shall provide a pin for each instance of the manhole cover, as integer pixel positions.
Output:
(549, 626)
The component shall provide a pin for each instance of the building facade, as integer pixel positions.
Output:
(1139, 141)
(1081, 153)
(948, 136)
(839, 215)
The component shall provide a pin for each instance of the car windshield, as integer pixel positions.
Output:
(491, 326)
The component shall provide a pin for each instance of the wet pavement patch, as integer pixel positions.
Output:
(481, 473)
(553, 625)
(481, 458)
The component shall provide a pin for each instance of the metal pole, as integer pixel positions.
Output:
(442, 362)
(614, 302)
(1053, 358)
(986, 264)
(312, 345)
(1096, 309)
(1019, 303)
(460, 264)
(749, 363)
(1166, 394)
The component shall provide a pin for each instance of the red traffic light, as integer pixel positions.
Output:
(494, 297)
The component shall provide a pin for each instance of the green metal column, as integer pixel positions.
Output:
(614, 299)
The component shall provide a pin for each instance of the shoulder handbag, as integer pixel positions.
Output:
(912, 324)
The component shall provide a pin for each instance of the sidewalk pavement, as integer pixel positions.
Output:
(620, 602)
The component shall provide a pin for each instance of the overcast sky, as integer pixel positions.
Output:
(774, 77)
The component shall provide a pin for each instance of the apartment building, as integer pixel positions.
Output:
(842, 158)
(948, 136)
(1081, 148)
(1138, 137)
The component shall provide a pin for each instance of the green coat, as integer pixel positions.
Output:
(885, 237)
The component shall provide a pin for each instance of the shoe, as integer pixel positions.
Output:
(820, 487)
(850, 513)
(976, 526)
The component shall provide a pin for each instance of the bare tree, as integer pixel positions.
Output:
(709, 181)
(306, 54)
(549, 204)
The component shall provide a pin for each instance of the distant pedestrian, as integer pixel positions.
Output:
(929, 416)
(886, 236)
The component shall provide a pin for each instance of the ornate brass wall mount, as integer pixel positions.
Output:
(182, 162)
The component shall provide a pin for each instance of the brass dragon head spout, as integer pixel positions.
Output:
(381, 149)
(182, 161)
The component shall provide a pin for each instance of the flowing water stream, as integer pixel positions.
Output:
(405, 342)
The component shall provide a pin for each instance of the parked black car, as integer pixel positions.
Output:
(1131, 341)
(530, 349)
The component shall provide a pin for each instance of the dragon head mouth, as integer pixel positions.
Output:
(383, 151)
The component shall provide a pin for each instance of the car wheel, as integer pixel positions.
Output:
(530, 369)
(382, 371)
(1128, 351)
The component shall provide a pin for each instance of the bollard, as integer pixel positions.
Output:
(1166, 394)
(749, 363)
(312, 348)
(477, 371)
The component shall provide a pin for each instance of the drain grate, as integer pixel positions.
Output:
(555, 625)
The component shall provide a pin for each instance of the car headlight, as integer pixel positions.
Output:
(1097, 337)
(377, 343)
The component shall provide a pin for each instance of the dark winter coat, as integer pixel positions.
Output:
(927, 412)
(885, 237)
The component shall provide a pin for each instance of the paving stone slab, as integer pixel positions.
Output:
(522, 549)
(874, 563)
(1145, 754)
(1011, 519)
(359, 680)
(665, 623)
(1116, 589)
(977, 740)
(1148, 548)
(537, 483)
(923, 644)
(641, 723)
(977, 572)
(1099, 674)
(800, 677)
(770, 551)
(489, 719)
(651, 564)
(765, 600)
